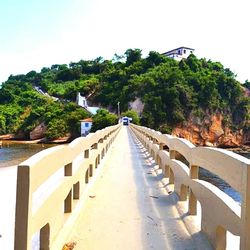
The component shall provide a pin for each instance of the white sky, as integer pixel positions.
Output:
(36, 34)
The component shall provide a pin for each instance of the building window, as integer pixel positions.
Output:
(179, 52)
(184, 51)
(86, 125)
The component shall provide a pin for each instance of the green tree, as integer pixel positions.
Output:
(103, 119)
(132, 56)
(247, 84)
(132, 114)
(56, 128)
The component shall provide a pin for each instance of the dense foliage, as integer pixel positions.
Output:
(103, 118)
(170, 91)
(132, 114)
(22, 109)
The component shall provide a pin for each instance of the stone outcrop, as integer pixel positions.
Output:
(211, 132)
(137, 105)
(38, 132)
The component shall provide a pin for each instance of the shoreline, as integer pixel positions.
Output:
(5, 140)
(20, 142)
(243, 149)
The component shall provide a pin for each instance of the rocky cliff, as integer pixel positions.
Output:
(210, 131)
(38, 132)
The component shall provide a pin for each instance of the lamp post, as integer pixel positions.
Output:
(118, 111)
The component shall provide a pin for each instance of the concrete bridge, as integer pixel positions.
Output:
(125, 188)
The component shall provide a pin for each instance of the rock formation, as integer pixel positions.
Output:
(38, 131)
(211, 132)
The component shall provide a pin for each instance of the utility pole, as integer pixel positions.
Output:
(118, 111)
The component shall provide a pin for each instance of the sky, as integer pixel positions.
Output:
(39, 33)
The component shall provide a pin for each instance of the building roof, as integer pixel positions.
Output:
(87, 120)
(92, 110)
(177, 49)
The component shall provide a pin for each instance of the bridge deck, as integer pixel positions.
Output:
(129, 207)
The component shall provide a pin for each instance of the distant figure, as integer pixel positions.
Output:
(126, 120)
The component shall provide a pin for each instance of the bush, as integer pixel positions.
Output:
(56, 128)
(133, 114)
(103, 119)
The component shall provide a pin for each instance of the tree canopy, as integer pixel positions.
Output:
(171, 91)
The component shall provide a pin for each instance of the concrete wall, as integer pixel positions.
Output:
(81, 101)
(181, 162)
(50, 187)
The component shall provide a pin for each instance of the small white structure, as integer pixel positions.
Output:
(86, 125)
(125, 120)
(179, 53)
(82, 101)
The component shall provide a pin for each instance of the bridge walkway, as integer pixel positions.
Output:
(128, 206)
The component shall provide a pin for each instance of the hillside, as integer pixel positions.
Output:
(179, 97)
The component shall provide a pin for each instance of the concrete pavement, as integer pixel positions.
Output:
(130, 208)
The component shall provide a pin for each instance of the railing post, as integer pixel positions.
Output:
(22, 237)
(68, 200)
(106, 147)
(68, 203)
(68, 170)
(221, 238)
(192, 201)
(161, 145)
(172, 154)
(96, 162)
(45, 237)
(86, 153)
(76, 191)
(183, 193)
(90, 170)
(245, 211)
(171, 173)
(86, 156)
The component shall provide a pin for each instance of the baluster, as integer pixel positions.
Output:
(22, 239)
(68, 170)
(192, 203)
(68, 203)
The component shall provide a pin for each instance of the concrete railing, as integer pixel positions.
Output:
(50, 189)
(180, 160)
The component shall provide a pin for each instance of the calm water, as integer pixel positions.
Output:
(14, 153)
(218, 182)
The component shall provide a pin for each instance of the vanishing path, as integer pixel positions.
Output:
(129, 207)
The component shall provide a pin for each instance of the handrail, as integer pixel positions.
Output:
(220, 213)
(50, 185)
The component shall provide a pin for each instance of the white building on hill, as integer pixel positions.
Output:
(82, 101)
(179, 53)
(86, 125)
